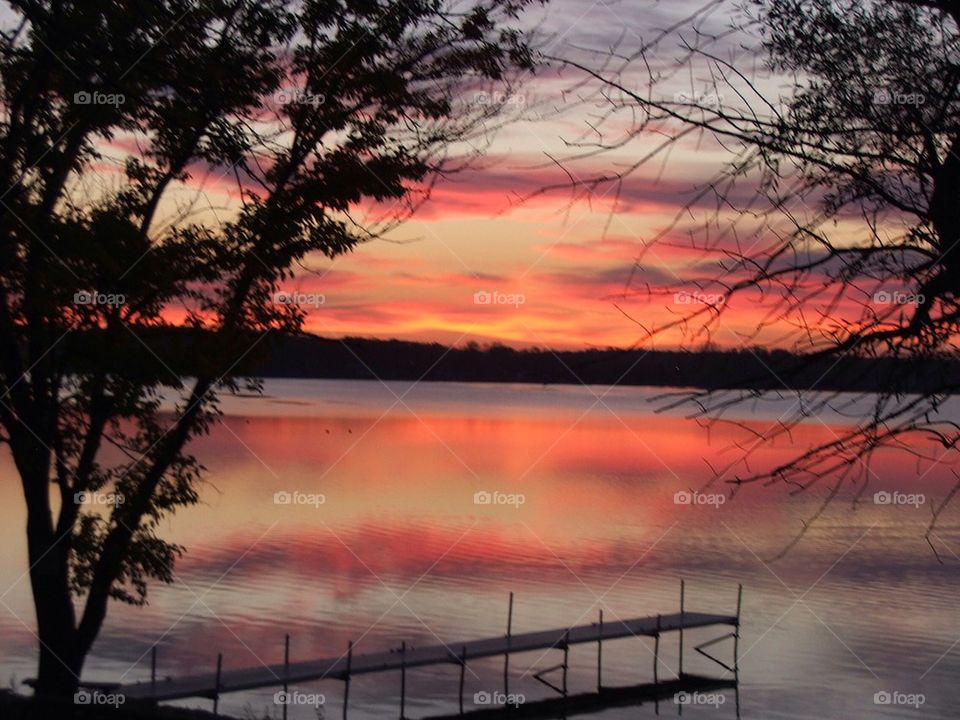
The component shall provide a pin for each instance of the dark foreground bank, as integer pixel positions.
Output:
(19, 707)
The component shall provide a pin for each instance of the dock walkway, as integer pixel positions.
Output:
(456, 653)
(460, 653)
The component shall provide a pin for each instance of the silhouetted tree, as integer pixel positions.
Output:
(329, 118)
(838, 213)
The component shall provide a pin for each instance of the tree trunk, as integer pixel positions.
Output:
(61, 660)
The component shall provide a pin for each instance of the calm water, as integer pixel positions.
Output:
(399, 550)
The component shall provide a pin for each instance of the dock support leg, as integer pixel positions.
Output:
(286, 670)
(216, 686)
(463, 670)
(506, 656)
(566, 657)
(682, 613)
(403, 679)
(600, 653)
(736, 635)
(346, 680)
(736, 651)
(656, 654)
(656, 666)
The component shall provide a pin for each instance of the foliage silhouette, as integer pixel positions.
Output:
(836, 214)
(327, 121)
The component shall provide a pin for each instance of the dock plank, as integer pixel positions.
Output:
(336, 668)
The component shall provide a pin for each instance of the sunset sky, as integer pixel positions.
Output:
(474, 237)
(553, 267)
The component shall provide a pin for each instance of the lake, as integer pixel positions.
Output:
(351, 510)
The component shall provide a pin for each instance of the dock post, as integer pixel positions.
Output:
(656, 667)
(153, 673)
(403, 678)
(682, 612)
(600, 653)
(506, 655)
(656, 654)
(736, 635)
(346, 680)
(566, 655)
(286, 670)
(463, 669)
(216, 687)
(736, 650)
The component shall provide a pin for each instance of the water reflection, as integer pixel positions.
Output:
(399, 550)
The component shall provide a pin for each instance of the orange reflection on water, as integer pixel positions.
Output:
(587, 483)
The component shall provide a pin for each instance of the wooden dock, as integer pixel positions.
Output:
(460, 653)
(339, 668)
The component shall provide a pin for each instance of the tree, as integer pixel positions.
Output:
(838, 212)
(330, 118)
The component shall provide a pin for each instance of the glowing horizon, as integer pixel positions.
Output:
(557, 271)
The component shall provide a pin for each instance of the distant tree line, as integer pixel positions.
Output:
(307, 356)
